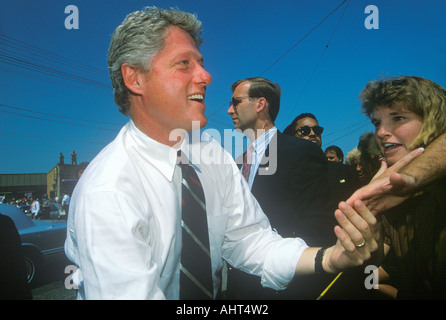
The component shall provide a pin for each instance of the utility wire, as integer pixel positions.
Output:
(35, 51)
(64, 122)
(59, 116)
(361, 123)
(48, 138)
(319, 61)
(289, 50)
(303, 38)
(347, 134)
(31, 58)
(28, 65)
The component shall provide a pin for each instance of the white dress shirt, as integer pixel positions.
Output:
(259, 147)
(35, 207)
(66, 200)
(124, 226)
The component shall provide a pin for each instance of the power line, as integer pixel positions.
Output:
(59, 116)
(292, 47)
(347, 134)
(361, 123)
(28, 65)
(320, 59)
(303, 38)
(58, 121)
(48, 138)
(35, 51)
(31, 58)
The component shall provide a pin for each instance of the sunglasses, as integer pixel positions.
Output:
(235, 101)
(306, 130)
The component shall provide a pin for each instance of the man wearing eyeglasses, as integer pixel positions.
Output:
(294, 194)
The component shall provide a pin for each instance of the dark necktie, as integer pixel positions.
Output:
(247, 161)
(196, 271)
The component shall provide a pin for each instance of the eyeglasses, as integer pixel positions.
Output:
(306, 130)
(235, 101)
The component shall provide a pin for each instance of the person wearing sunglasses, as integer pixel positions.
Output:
(305, 126)
(343, 178)
(295, 196)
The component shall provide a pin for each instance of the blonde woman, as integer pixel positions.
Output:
(410, 112)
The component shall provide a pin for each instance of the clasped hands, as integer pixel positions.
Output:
(358, 237)
(358, 232)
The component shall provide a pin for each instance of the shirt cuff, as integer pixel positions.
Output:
(281, 262)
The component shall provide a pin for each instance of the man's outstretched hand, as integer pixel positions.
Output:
(388, 188)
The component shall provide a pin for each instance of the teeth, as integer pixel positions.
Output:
(196, 97)
(390, 146)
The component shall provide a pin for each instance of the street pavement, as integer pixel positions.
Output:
(53, 291)
(51, 282)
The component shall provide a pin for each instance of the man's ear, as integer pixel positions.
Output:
(131, 77)
(262, 104)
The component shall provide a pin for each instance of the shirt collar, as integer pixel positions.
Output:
(262, 142)
(161, 156)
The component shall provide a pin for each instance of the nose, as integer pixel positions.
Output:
(381, 132)
(231, 109)
(203, 76)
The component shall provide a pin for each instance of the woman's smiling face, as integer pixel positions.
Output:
(395, 130)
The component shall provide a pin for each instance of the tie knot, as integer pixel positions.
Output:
(249, 151)
(182, 158)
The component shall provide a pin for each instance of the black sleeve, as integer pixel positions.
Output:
(13, 282)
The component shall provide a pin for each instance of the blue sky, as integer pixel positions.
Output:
(55, 93)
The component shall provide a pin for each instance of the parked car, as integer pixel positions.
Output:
(25, 208)
(42, 241)
(56, 211)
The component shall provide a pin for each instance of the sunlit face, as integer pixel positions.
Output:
(312, 137)
(395, 130)
(244, 114)
(175, 87)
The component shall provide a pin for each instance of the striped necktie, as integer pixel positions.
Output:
(247, 161)
(196, 271)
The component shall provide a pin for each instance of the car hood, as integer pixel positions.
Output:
(45, 225)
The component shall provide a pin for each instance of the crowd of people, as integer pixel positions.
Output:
(39, 207)
(285, 221)
(408, 112)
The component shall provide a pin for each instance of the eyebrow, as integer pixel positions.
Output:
(192, 53)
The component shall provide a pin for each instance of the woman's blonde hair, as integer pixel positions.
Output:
(421, 96)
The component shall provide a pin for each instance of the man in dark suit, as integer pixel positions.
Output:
(288, 177)
(343, 178)
(343, 181)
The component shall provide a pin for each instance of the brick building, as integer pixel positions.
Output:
(59, 179)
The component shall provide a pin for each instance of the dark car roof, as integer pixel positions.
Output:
(20, 219)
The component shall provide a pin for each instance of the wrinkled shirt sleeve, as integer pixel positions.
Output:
(115, 256)
(250, 244)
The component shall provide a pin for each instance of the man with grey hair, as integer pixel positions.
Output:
(125, 223)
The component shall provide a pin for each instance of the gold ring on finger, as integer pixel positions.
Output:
(360, 245)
